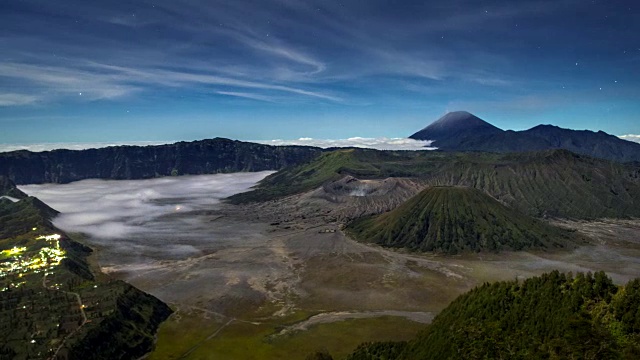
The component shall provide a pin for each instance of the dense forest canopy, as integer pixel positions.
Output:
(553, 316)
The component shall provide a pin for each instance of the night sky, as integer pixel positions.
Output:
(96, 70)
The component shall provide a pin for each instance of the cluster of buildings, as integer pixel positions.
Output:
(20, 261)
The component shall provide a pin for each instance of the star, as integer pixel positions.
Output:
(80, 94)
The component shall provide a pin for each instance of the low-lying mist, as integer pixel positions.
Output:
(165, 216)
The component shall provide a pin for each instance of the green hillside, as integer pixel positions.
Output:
(454, 219)
(554, 316)
(327, 167)
(554, 183)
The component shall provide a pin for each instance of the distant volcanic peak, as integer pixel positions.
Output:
(458, 117)
(455, 125)
(461, 119)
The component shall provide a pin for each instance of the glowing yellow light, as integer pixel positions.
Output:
(49, 237)
(15, 251)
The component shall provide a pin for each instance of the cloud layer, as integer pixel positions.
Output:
(75, 145)
(372, 143)
(631, 137)
(110, 209)
(359, 142)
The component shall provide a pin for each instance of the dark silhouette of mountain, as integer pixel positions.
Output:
(553, 316)
(8, 188)
(451, 220)
(454, 126)
(462, 131)
(20, 217)
(141, 162)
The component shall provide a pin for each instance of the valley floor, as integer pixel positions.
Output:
(297, 287)
(269, 282)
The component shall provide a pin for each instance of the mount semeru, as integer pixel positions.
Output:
(451, 220)
(462, 131)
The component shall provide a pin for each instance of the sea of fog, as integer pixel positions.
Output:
(168, 218)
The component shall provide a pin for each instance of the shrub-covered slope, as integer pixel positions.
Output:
(553, 183)
(554, 316)
(454, 219)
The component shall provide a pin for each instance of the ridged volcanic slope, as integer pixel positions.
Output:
(451, 219)
(551, 183)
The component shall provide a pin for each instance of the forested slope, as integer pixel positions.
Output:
(554, 316)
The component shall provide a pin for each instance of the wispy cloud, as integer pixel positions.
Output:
(48, 81)
(277, 48)
(245, 51)
(17, 99)
(95, 80)
(246, 95)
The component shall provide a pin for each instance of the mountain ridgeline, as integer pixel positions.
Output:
(551, 183)
(451, 220)
(142, 162)
(553, 316)
(462, 131)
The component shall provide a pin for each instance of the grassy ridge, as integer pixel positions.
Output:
(360, 163)
(454, 219)
(21, 217)
(555, 316)
(554, 183)
(327, 167)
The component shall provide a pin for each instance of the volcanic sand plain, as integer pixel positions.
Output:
(280, 279)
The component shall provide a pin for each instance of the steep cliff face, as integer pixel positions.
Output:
(137, 162)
